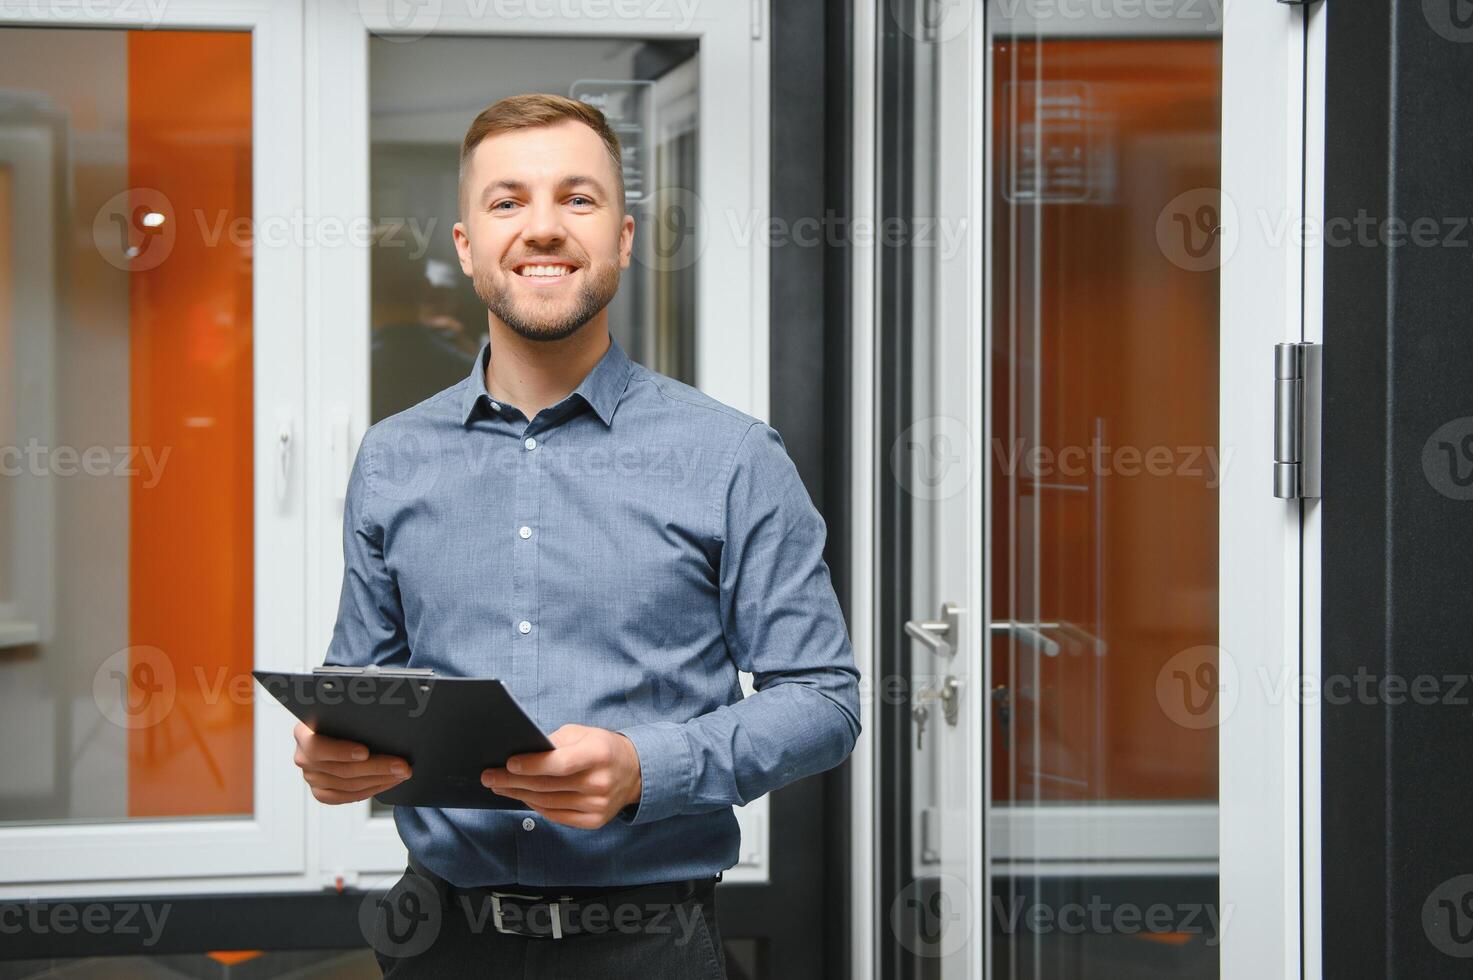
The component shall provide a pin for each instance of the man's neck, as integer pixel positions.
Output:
(533, 374)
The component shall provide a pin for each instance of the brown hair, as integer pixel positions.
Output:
(530, 111)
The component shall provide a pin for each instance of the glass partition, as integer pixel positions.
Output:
(126, 432)
(1104, 369)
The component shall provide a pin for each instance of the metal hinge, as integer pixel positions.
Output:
(1298, 381)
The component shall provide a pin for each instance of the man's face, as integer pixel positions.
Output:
(543, 235)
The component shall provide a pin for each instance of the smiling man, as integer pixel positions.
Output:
(615, 546)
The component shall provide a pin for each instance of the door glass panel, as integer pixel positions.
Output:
(126, 393)
(1105, 467)
(427, 323)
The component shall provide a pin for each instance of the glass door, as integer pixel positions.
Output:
(151, 518)
(1088, 595)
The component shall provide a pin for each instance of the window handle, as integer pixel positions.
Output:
(283, 458)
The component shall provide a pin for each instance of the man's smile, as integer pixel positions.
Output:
(544, 273)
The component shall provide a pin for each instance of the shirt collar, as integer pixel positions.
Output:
(601, 388)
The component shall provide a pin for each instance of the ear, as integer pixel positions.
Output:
(463, 248)
(626, 241)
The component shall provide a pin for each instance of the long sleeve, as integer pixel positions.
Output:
(783, 624)
(370, 623)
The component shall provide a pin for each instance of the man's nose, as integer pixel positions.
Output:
(544, 223)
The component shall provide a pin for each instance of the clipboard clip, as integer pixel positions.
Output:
(374, 670)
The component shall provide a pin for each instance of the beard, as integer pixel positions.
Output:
(534, 317)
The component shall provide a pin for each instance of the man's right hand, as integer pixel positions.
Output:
(343, 772)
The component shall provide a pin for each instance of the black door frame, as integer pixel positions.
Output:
(895, 179)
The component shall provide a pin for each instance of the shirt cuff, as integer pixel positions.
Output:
(664, 771)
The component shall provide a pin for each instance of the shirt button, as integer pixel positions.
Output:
(496, 406)
(528, 823)
(524, 626)
(525, 531)
(530, 443)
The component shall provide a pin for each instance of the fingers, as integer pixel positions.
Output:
(565, 760)
(336, 796)
(321, 748)
(330, 787)
(589, 781)
(355, 784)
(381, 766)
(567, 735)
(340, 771)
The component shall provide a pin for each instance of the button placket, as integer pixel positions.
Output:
(525, 613)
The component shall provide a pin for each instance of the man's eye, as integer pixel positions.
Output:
(578, 200)
(503, 205)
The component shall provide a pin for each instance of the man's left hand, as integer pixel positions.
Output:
(588, 777)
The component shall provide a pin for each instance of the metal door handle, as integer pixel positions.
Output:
(1030, 635)
(937, 634)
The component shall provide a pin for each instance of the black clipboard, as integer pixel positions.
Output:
(448, 728)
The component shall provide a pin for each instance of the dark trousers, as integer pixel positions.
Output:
(425, 927)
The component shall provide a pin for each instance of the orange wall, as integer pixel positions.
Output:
(190, 564)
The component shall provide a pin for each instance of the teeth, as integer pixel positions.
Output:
(545, 270)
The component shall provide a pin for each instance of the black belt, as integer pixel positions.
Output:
(553, 913)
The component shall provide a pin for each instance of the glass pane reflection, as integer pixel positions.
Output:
(1104, 553)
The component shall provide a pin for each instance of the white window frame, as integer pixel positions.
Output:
(150, 856)
(348, 844)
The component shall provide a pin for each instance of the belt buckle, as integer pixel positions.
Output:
(554, 906)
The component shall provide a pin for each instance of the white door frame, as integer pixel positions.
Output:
(175, 855)
(1273, 120)
(348, 842)
(1266, 66)
(865, 472)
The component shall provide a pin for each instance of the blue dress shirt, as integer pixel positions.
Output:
(615, 561)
